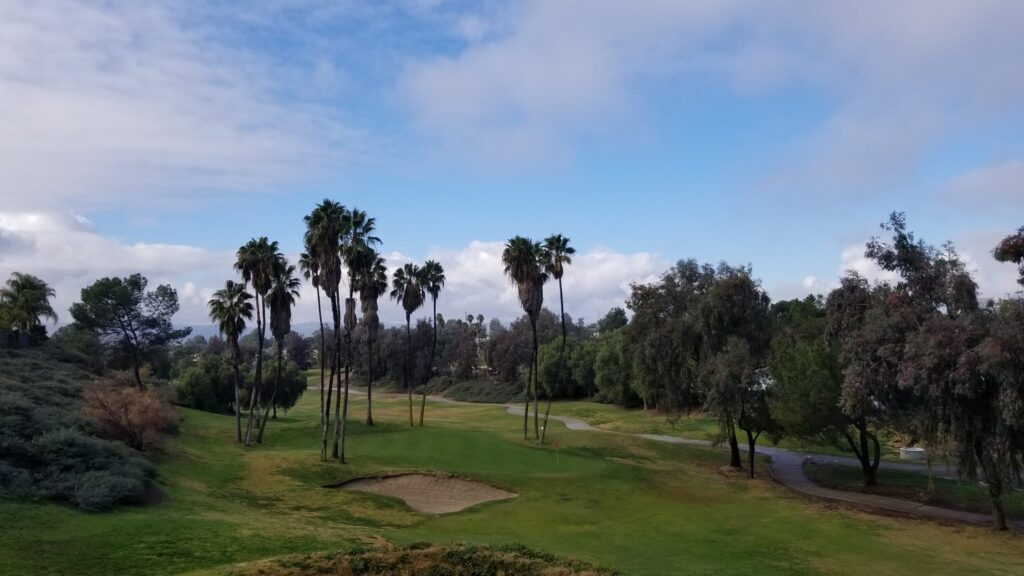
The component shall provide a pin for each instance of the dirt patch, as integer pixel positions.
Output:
(433, 493)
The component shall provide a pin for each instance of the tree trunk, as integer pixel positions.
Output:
(430, 371)
(350, 306)
(995, 488)
(526, 408)
(337, 396)
(369, 376)
(869, 466)
(253, 397)
(135, 367)
(273, 395)
(323, 350)
(408, 354)
(330, 387)
(734, 449)
(238, 394)
(561, 358)
(751, 451)
(536, 377)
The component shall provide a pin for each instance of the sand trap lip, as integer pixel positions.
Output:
(433, 493)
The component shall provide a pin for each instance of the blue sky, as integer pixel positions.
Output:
(159, 136)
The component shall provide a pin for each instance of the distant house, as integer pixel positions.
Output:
(13, 339)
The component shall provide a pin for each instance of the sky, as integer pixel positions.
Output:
(158, 136)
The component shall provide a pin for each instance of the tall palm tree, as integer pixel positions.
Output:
(258, 260)
(524, 262)
(25, 302)
(373, 283)
(559, 254)
(282, 297)
(310, 268)
(432, 279)
(356, 241)
(325, 226)
(229, 308)
(407, 290)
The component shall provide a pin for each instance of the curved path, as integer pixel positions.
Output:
(788, 468)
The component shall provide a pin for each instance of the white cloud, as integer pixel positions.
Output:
(69, 253)
(105, 102)
(900, 76)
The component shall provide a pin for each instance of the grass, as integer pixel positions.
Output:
(631, 505)
(947, 493)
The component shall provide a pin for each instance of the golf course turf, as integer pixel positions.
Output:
(616, 501)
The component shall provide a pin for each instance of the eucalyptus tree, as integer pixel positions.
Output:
(283, 294)
(229, 308)
(325, 226)
(258, 260)
(559, 254)
(25, 302)
(357, 240)
(373, 282)
(310, 267)
(432, 279)
(524, 262)
(407, 290)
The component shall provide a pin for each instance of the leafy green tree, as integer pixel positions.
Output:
(325, 227)
(124, 315)
(559, 254)
(282, 296)
(407, 291)
(613, 320)
(1011, 249)
(735, 324)
(612, 370)
(206, 383)
(373, 283)
(229, 308)
(524, 262)
(25, 303)
(432, 279)
(581, 362)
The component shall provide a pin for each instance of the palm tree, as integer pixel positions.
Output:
(325, 226)
(372, 283)
(258, 260)
(25, 301)
(407, 290)
(559, 254)
(432, 280)
(310, 268)
(282, 297)
(356, 241)
(229, 308)
(524, 262)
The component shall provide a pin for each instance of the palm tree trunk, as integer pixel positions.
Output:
(369, 376)
(536, 403)
(561, 358)
(273, 395)
(526, 408)
(238, 400)
(320, 315)
(337, 397)
(253, 403)
(348, 363)
(408, 354)
(430, 371)
(330, 388)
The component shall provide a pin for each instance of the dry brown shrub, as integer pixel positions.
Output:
(140, 417)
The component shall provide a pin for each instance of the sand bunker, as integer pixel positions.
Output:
(431, 493)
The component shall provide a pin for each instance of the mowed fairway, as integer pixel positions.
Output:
(636, 506)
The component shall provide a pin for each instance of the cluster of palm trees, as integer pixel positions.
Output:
(275, 288)
(529, 265)
(409, 287)
(25, 303)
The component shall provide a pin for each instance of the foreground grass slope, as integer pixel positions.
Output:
(616, 501)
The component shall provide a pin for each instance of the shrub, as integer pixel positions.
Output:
(139, 417)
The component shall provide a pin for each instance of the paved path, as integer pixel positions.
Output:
(788, 468)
